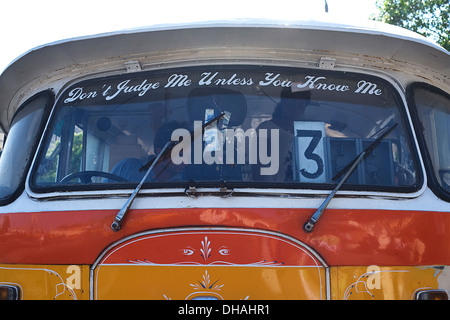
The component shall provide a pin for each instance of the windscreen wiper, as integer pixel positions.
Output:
(150, 165)
(347, 171)
(368, 150)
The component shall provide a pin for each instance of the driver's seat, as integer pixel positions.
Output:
(126, 146)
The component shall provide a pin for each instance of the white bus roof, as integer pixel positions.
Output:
(369, 45)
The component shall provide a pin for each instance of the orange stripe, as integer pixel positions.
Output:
(342, 237)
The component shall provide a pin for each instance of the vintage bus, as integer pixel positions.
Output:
(227, 160)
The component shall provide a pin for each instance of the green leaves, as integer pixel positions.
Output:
(427, 17)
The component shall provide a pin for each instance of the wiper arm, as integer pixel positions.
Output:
(367, 150)
(150, 165)
(121, 215)
(347, 171)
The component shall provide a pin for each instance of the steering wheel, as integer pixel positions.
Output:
(85, 176)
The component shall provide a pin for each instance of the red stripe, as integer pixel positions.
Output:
(341, 237)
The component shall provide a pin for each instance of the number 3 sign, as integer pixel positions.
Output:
(309, 150)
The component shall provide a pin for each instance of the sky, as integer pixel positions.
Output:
(26, 24)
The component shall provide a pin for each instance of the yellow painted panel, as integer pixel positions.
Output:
(381, 283)
(44, 282)
(221, 282)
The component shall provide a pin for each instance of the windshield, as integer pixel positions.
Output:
(432, 108)
(21, 144)
(281, 127)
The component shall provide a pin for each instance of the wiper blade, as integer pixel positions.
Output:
(116, 225)
(121, 215)
(347, 171)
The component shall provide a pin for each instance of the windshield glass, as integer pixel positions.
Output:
(20, 145)
(281, 127)
(433, 112)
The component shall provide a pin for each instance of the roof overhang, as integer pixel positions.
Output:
(373, 45)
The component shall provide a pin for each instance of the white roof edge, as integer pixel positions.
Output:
(326, 24)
